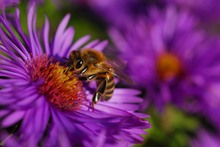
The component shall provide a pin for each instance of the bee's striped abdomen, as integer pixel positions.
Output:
(106, 85)
(110, 86)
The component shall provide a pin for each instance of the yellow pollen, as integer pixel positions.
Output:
(56, 83)
(168, 66)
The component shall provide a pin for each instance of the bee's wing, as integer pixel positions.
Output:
(117, 71)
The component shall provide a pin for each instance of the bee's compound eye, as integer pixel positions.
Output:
(79, 64)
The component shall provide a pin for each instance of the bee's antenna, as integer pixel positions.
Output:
(66, 70)
(63, 60)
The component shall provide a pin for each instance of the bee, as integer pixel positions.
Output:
(88, 65)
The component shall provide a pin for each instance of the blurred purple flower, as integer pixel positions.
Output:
(36, 1)
(113, 11)
(169, 57)
(207, 10)
(212, 100)
(205, 139)
(8, 3)
(41, 104)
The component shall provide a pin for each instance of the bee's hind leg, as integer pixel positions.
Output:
(96, 98)
(100, 91)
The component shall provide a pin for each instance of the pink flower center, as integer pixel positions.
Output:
(168, 66)
(56, 83)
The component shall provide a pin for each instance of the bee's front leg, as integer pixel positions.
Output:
(87, 78)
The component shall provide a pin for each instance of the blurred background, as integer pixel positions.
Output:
(171, 50)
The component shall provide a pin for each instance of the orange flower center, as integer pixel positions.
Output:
(56, 83)
(168, 66)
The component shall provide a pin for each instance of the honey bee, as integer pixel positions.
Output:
(89, 65)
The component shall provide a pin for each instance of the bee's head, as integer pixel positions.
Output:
(75, 61)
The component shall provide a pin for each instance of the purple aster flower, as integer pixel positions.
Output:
(205, 139)
(43, 104)
(170, 57)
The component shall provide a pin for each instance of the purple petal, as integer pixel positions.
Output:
(141, 115)
(12, 74)
(79, 43)
(46, 36)
(66, 42)
(123, 91)
(39, 49)
(126, 107)
(101, 45)
(12, 118)
(59, 38)
(125, 99)
(4, 112)
(31, 30)
(30, 21)
(91, 44)
(111, 110)
(13, 69)
(119, 40)
(14, 38)
(42, 115)
(33, 127)
(18, 27)
(28, 101)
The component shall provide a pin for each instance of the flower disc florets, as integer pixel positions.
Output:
(58, 84)
(168, 66)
